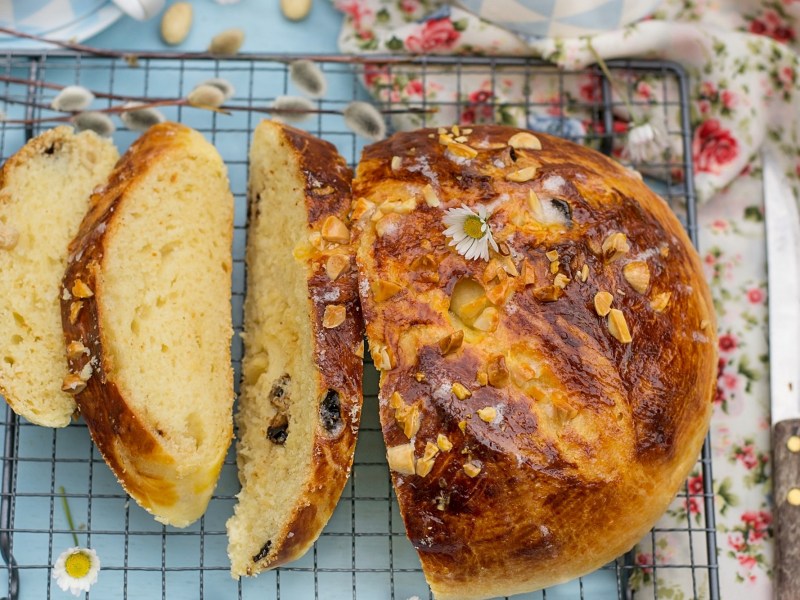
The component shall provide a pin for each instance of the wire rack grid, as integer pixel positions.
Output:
(363, 552)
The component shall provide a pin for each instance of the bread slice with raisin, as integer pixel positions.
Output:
(44, 195)
(147, 317)
(542, 402)
(300, 400)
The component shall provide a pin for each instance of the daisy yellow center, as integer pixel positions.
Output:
(77, 565)
(473, 227)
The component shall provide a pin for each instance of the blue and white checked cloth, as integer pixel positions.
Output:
(559, 18)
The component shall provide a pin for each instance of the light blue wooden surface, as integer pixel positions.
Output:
(265, 28)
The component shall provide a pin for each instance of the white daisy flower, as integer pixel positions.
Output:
(647, 141)
(470, 231)
(76, 570)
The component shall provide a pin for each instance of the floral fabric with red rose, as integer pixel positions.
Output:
(741, 57)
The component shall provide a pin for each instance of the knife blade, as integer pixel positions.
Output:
(783, 266)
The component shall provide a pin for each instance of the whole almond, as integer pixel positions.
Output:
(226, 43)
(295, 10)
(176, 23)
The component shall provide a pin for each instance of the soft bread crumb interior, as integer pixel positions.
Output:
(165, 309)
(278, 340)
(45, 197)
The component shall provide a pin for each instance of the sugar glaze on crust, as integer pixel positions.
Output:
(531, 439)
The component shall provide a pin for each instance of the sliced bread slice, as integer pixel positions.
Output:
(44, 195)
(300, 402)
(147, 317)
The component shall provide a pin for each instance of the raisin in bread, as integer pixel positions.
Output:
(300, 401)
(44, 195)
(147, 317)
(541, 407)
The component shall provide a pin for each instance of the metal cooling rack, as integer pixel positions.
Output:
(363, 552)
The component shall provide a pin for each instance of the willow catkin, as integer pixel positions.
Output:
(142, 119)
(298, 108)
(98, 122)
(365, 120)
(308, 78)
(72, 98)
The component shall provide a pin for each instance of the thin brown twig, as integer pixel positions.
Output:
(58, 86)
(131, 56)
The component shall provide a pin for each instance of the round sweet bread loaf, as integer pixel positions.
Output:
(540, 407)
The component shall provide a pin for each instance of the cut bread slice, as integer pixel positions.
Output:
(147, 317)
(44, 195)
(300, 402)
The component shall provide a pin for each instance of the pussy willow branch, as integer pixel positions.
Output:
(132, 56)
(57, 86)
(225, 109)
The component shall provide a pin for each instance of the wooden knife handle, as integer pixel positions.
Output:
(786, 476)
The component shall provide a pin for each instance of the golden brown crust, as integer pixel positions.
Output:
(339, 367)
(85, 151)
(132, 448)
(591, 437)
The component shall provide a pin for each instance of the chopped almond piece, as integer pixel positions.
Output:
(398, 206)
(472, 468)
(360, 208)
(462, 425)
(383, 290)
(497, 371)
(451, 343)
(487, 414)
(461, 392)
(76, 349)
(602, 303)
(462, 150)
(424, 466)
(522, 175)
(396, 400)
(551, 255)
(431, 450)
(401, 458)
(429, 194)
(336, 265)
(618, 326)
(554, 266)
(73, 384)
(637, 274)
(81, 290)
(334, 316)
(382, 357)
(334, 230)
(444, 444)
(527, 274)
(412, 421)
(535, 204)
(615, 246)
(397, 162)
(74, 310)
(482, 378)
(419, 376)
(550, 293)
(660, 301)
(561, 280)
(525, 140)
